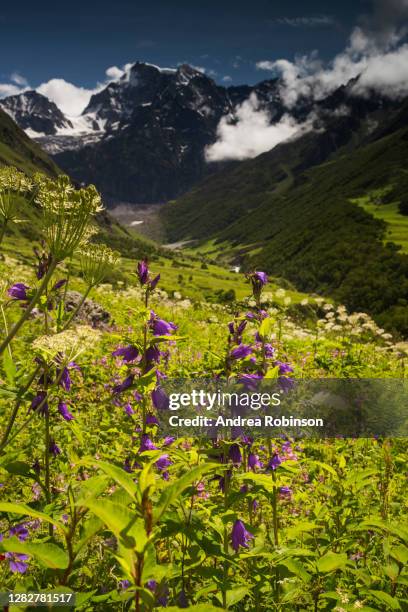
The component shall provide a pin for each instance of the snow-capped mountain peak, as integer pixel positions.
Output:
(33, 111)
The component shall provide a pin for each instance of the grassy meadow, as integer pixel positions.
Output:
(97, 502)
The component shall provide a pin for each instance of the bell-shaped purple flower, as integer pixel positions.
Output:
(258, 280)
(128, 353)
(274, 462)
(128, 409)
(124, 584)
(153, 283)
(17, 562)
(285, 383)
(146, 444)
(240, 536)
(152, 356)
(143, 271)
(250, 381)
(151, 420)
(285, 492)
(18, 291)
(151, 585)
(247, 440)
(160, 398)
(54, 449)
(241, 351)
(260, 277)
(253, 461)
(235, 454)
(59, 284)
(182, 600)
(284, 368)
(163, 599)
(20, 531)
(160, 327)
(124, 385)
(269, 350)
(64, 379)
(237, 329)
(39, 402)
(163, 462)
(64, 412)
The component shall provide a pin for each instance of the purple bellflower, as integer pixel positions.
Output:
(240, 536)
(18, 291)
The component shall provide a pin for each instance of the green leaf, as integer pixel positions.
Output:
(172, 492)
(324, 466)
(301, 527)
(20, 468)
(260, 480)
(235, 595)
(46, 553)
(266, 327)
(9, 367)
(76, 430)
(385, 598)
(400, 553)
(331, 562)
(123, 522)
(395, 530)
(121, 477)
(147, 479)
(88, 529)
(296, 568)
(22, 509)
(92, 487)
(272, 373)
(8, 393)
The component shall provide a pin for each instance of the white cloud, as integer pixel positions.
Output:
(387, 73)
(18, 79)
(68, 97)
(227, 78)
(252, 133)
(379, 62)
(114, 72)
(8, 89)
(17, 84)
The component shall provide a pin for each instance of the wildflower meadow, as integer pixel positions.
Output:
(96, 500)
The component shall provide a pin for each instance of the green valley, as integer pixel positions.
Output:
(289, 211)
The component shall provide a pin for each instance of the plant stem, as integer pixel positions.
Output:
(47, 463)
(144, 365)
(29, 308)
(275, 511)
(139, 570)
(3, 230)
(225, 568)
(16, 408)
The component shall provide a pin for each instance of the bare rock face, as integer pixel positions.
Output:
(91, 312)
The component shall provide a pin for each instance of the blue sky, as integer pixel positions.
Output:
(79, 40)
(314, 46)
